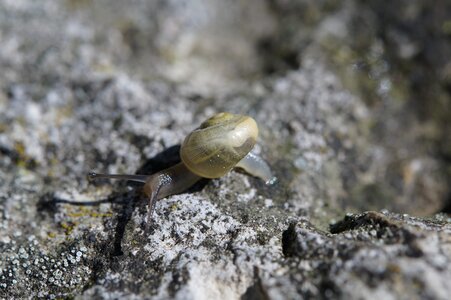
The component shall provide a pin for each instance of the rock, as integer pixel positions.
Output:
(115, 87)
(369, 255)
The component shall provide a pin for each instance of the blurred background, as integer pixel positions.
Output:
(60, 59)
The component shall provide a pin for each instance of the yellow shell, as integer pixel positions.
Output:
(219, 144)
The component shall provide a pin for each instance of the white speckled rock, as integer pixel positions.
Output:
(114, 86)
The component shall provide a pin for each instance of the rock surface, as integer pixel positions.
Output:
(114, 86)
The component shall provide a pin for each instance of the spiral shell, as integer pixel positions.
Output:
(219, 144)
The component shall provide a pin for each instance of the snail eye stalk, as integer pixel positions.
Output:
(137, 178)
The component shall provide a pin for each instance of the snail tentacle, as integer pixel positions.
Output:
(258, 167)
(137, 178)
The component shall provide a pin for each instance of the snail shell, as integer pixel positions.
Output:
(219, 144)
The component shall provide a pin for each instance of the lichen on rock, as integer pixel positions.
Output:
(115, 87)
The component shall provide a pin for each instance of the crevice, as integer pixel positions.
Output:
(289, 240)
(257, 290)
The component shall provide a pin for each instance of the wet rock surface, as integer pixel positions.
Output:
(116, 86)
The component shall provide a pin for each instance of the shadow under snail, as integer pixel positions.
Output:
(221, 143)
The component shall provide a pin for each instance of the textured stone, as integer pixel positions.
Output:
(115, 87)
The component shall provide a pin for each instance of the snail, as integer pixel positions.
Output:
(221, 143)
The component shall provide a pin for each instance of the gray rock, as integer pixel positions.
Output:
(114, 86)
(370, 255)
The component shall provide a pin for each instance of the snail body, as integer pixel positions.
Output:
(218, 145)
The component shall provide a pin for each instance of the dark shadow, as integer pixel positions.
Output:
(128, 201)
(277, 56)
(48, 202)
(163, 160)
(447, 207)
(166, 159)
(289, 239)
(123, 217)
(257, 290)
